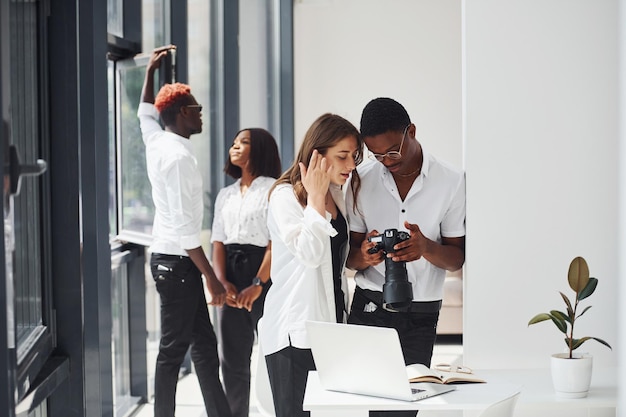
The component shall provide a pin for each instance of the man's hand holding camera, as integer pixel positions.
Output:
(397, 290)
(413, 248)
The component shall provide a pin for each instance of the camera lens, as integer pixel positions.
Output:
(397, 290)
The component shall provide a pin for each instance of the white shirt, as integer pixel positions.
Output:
(242, 219)
(176, 186)
(435, 202)
(302, 270)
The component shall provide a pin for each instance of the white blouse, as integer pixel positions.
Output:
(242, 218)
(302, 270)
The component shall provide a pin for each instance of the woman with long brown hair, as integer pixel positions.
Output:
(309, 232)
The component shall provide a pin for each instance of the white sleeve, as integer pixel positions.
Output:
(355, 218)
(180, 203)
(304, 231)
(148, 120)
(453, 223)
(217, 229)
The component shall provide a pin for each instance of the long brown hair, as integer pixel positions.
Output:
(325, 132)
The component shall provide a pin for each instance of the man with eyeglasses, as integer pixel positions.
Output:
(178, 260)
(408, 189)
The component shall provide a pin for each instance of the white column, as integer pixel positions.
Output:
(621, 316)
(541, 132)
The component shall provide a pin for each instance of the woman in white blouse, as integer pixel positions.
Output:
(309, 233)
(241, 255)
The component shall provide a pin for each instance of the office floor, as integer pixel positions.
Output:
(189, 399)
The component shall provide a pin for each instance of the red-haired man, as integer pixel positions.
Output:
(178, 260)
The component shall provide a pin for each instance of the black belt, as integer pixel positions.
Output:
(376, 297)
(168, 256)
(238, 253)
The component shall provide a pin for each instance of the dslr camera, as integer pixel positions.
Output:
(397, 290)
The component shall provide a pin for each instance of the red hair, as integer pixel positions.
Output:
(169, 94)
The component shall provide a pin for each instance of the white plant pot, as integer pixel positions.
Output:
(571, 377)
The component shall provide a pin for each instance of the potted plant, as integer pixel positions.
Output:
(571, 372)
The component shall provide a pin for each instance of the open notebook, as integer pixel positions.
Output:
(364, 360)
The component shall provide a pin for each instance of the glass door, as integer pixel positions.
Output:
(28, 209)
(26, 201)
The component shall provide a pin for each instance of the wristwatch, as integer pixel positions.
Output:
(257, 282)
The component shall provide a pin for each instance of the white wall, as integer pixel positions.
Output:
(347, 52)
(541, 138)
(542, 163)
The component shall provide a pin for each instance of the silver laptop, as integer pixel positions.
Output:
(364, 360)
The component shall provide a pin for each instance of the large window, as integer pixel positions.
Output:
(154, 17)
(28, 137)
(131, 211)
(115, 17)
(208, 146)
(135, 208)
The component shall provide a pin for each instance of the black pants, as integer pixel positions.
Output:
(417, 332)
(184, 322)
(238, 327)
(288, 370)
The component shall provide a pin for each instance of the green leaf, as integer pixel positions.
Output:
(577, 342)
(566, 340)
(603, 342)
(570, 310)
(561, 315)
(589, 289)
(539, 318)
(578, 274)
(559, 323)
(584, 311)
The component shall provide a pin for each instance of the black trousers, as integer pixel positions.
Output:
(238, 327)
(288, 370)
(184, 323)
(417, 331)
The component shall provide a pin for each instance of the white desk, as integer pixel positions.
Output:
(322, 403)
(537, 396)
(539, 399)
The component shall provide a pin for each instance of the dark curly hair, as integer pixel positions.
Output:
(382, 115)
(264, 157)
(170, 99)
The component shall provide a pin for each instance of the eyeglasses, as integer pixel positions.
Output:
(391, 154)
(444, 367)
(195, 106)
